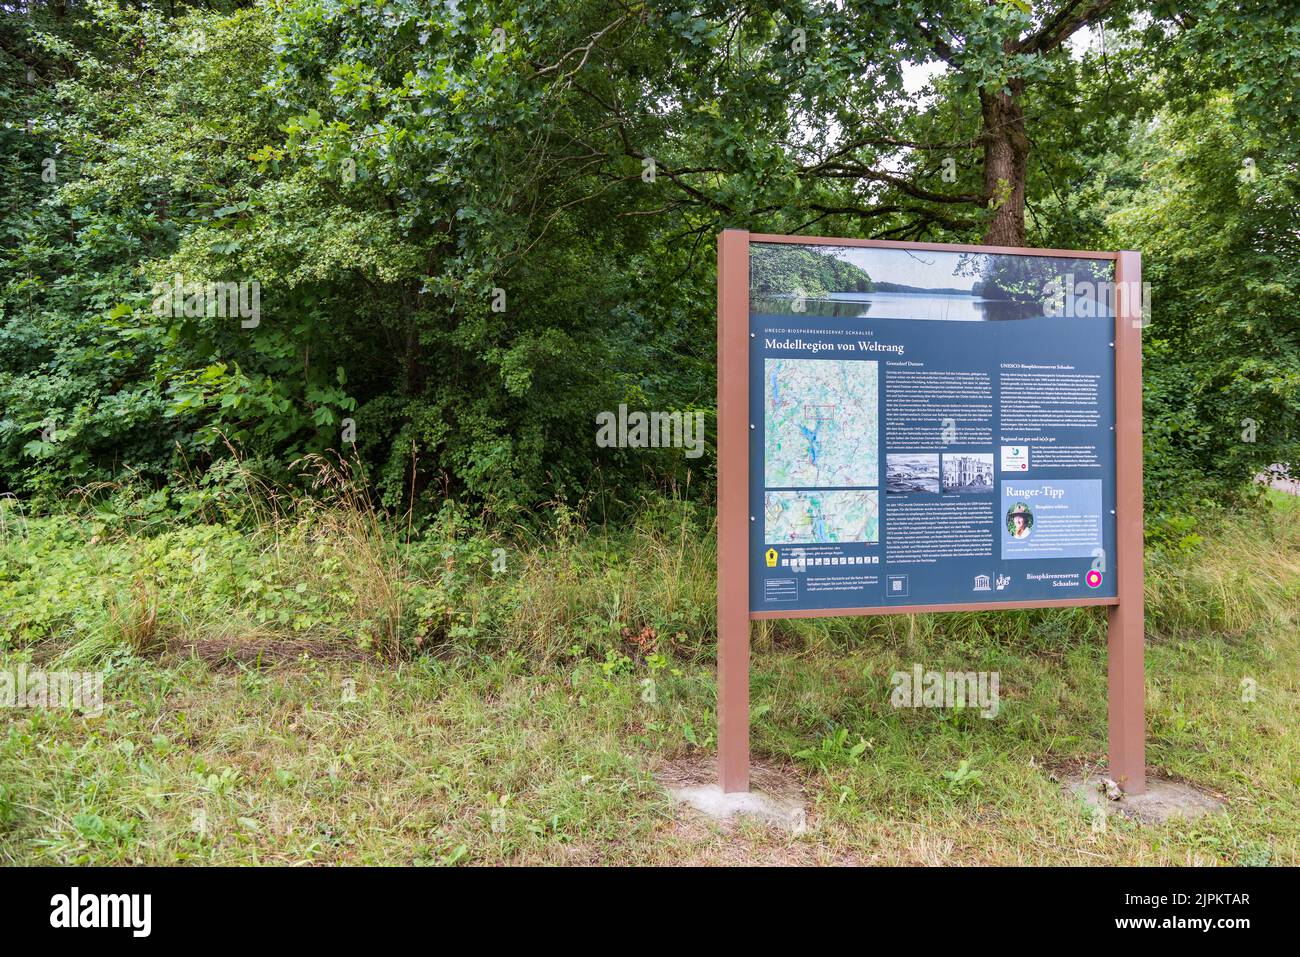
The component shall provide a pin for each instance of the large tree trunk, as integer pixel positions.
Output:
(1006, 156)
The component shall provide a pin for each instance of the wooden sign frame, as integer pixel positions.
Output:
(1126, 619)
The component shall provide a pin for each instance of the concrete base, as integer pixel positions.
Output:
(1163, 800)
(709, 800)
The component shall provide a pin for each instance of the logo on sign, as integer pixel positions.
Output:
(981, 583)
(1093, 578)
(1015, 458)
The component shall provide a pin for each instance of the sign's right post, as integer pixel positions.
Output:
(1126, 673)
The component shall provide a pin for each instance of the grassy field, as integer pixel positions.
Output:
(310, 687)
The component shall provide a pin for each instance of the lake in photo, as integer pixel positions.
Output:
(900, 305)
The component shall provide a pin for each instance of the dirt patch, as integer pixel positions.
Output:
(781, 781)
(754, 837)
(220, 653)
(228, 652)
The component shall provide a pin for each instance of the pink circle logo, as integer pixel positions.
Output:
(1093, 579)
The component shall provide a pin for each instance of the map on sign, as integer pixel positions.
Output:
(820, 423)
(803, 518)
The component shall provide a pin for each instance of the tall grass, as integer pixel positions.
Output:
(1244, 576)
(329, 569)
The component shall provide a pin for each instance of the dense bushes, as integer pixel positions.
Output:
(1217, 224)
(465, 251)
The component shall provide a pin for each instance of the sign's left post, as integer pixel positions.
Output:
(733, 510)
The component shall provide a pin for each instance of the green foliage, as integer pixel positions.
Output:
(1222, 351)
(835, 750)
(781, 270)
(392, 176)
(964, 779)
(1032, 279)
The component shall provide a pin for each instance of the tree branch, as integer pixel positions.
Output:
(1057, 28)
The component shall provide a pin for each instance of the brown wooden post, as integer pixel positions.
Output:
(733, 510)
(1126, 673)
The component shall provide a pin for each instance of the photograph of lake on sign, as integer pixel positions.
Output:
(851, 282)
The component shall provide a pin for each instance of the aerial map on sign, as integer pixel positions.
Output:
(802, 518)
(821, 423)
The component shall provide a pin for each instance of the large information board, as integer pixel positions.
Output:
(920, 427)
(929, 427)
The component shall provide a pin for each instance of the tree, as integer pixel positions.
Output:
(474, 229)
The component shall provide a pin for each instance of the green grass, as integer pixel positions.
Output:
(412, 707)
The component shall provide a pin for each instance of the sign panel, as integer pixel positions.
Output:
(929, 427)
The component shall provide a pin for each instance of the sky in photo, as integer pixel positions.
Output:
(911, 267)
